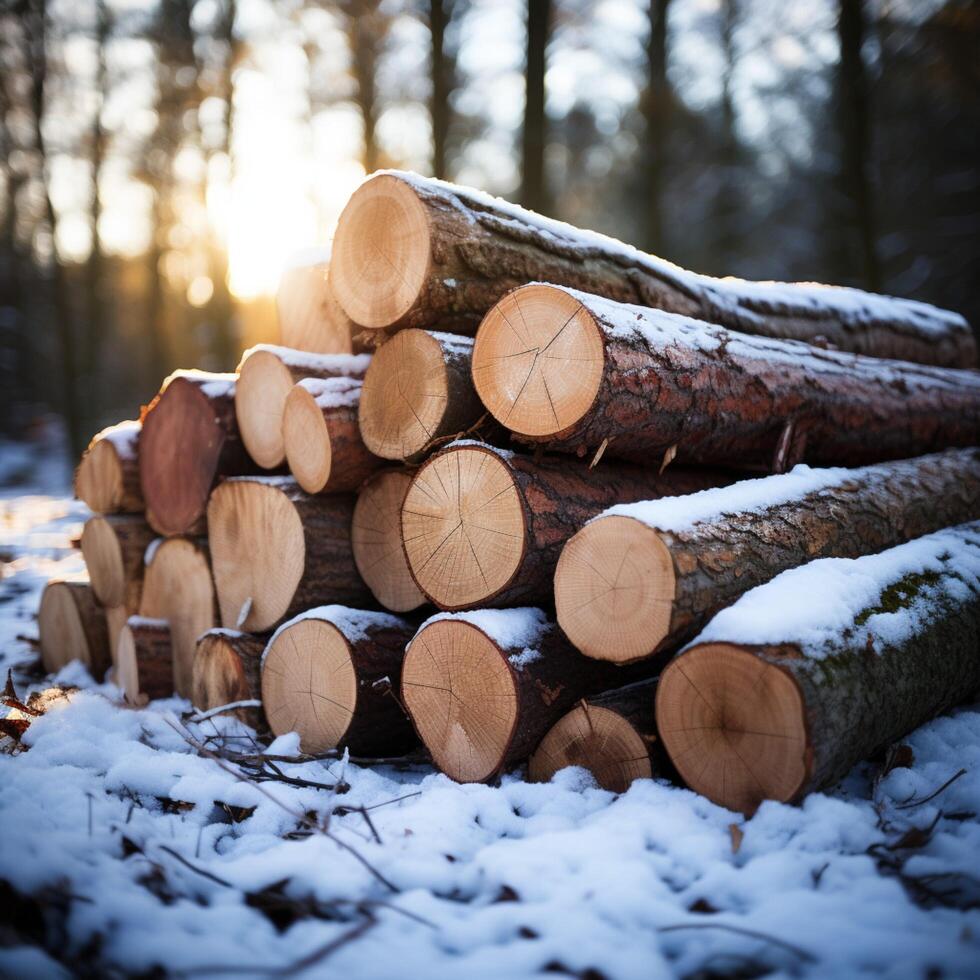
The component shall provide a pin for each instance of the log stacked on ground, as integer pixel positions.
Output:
(411, 252)
(278, 551)
(332, 674)
(108, 476)
(227, 670)
(417, 391)
(643, 577)
(323, 443)
(483, 526)
(613, 735)
(482, 688)
(823, 666)
(113, 546)
(310, 318)
(71, 626)
(570, 372)
(115, 620)
(144, 660)
(266, 376)
(177, 587)
(190, 439)
(376, 537)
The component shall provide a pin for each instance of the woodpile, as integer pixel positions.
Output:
(568, 583)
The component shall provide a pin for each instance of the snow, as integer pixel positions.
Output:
(813, 605)
(333, 392)
(520, 629)
(214, 384)
(460, 443)
(641, 885)
(146, 621)
(124, 437)
(341, 365)
(353, 623)
(151, 551)
(453, 343)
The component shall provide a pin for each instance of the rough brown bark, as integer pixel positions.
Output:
(108, 477)
(190, 439)
(310, 319)
(145, 655)
(480, 248)
(113, 546)
(72, 626)
(227, 669)
(722, 397)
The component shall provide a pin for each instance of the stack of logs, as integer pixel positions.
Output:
(584, 458)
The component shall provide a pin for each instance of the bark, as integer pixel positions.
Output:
(725, 398)
(153, 660)
(481, 248)
(228, 668)
(118, 454)
(72, 626)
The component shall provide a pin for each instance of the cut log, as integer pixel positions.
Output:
(310, 318)
(411, 252)
(144, 660)
(108, 476)
(642, 578)
(332, 675)
(859, 653)
(613, 735)
(113, 547)
(483, 526)
(417, 391)
(115, 620)
(376, 537)
(266, 376)
(570, 372)
(177, 587)
(227, 670)
(482, 688)
(190, 439)
(71, 625)
(323, 444)
(278, 551)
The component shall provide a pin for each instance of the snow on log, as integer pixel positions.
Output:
(323, 443)
(643, 577)
(144, 660)
(278, 551)
(484, 526)
(227, 670)
(310, 318)
(71, 625)
(822, 667)
(266, 376)
(483, 687)
(332, 674)
(415, 252)
(613, 735)
(190, 439)
(108, 476)
(417, 391)
(570, 372)
(376, 537)
(113, 546)
(177, 587)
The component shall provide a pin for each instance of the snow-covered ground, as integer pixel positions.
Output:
(128, 847)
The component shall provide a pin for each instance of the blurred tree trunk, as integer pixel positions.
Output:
(726, 208)
(854, 115)
(534, 184)
(442, 67)
(656, 104)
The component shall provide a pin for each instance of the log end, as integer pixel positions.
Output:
(597, 739)
(463, 527)
(61, 628)
(460, 693)
(380, 255)
(734, 725)
(614, 589)
(404, 397)
(538, 360)
(219, 677)
(309, 684)
(376, 538)
(264, 383)
(309, 317)
(99, 482)
(104, 561)
(306, 439)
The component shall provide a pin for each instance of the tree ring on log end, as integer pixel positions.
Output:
(307, 440)
(380, 255)
(258, 551)
(614, 589)
(404, 396)
(463, 527)
(376, 539)
(538, 360)
(219, 678)
(309, 685)
(127, 669)
(104, 561)
(734, 725)
(263, 384)
(597, 739)
(63, 636)
(460, 692)
(100, 478)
